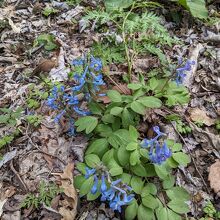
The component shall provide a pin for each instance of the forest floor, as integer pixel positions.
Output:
(36, 151)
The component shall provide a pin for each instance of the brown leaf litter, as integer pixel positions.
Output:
(68, 208)
(214, 176)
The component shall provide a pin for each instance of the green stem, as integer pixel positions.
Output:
(128, 57)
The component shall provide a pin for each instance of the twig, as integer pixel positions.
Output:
(18, 176)
(200, 175)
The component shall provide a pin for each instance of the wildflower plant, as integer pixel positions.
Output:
(67, 100)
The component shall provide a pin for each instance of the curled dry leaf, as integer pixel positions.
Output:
(199, 115)
(68, 211)
(214, 176)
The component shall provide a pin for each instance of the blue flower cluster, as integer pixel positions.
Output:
(157, 153)
(116, 194)
(66, 100)
(180, 75)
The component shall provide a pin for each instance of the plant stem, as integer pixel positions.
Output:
(129, 60)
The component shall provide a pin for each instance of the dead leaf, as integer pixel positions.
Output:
(198, 115)
(214, 176)
(45, 66)
(68, 211)
(123, 89)
(14, 27)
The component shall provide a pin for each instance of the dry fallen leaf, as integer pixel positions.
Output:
(68, 211)
(214, 176)
(45, 66)
(199, 115)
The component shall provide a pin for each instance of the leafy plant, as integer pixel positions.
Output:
(34, 120)
(7, 139)
(196, 7)
(140, 34)
(35, 96)
(46, 193)
(210, 211)
(86, 80)
(181, 127)
(120, 157)
(9, 116)
(49, 11)
(47, 40)
(217, 125)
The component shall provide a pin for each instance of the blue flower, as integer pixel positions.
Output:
(51, 102)
(160, 154)
(82, 81)
(181, 71)
(78, 62)
(80, 111)
(116, 203)
(71, 130)
(96, 64)
(59, 116)
(103, 184)
(108, 195)
(71, 100)
(95, 186)
(89, 172)
(127, 198)
(157, 131)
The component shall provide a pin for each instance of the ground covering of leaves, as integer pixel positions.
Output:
(45, 153)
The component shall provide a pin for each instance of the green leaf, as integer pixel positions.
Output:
(92, 160)
(181, 158)
(127, 118)
(112, 5)
(150, 170)
(178, 192)
(114, 95)
(4, 118)
(135, 158)
(168, 182)
(78, 181)
(172, 163)
(104, 130)
(133, 133)
(86, 186)
(126, 178)
(139, 170)
(172, 215)
(132, 146)
(123, 156)
(137, 184)
(131, 210)
(95, 108)
(153, 83)
(81, 167)
(138, 107)
(108, 118)
(115, 171)
(91, 197)
(176, 147)
(197, 7)
(150, 102)
(145, 213)
(107, 157)
(161, 171)
(99, 147)
(150, 201)
(178, 206)
(87, 123)
(162, 214)
(134, 86)
(116, 111)
(149, 188)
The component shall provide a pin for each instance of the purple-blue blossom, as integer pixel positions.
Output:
(89, 172)
(180, 75)
(157, 153)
